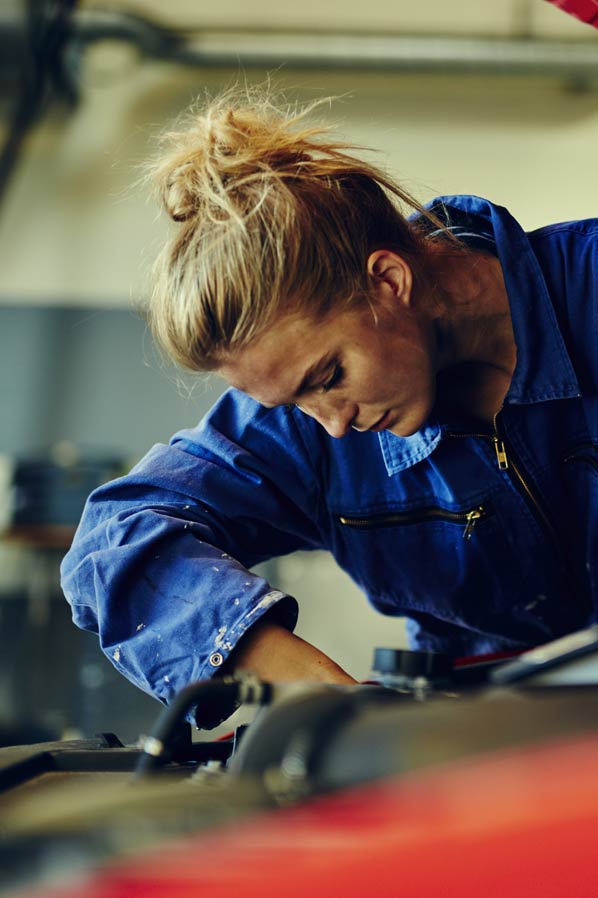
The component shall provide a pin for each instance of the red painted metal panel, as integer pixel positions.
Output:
(514, 823)
(585, 10)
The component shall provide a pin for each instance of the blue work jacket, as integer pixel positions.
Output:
(484, 539)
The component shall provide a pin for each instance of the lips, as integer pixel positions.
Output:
(381, 423)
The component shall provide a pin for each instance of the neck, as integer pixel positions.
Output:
(470, 311)
(476, 351)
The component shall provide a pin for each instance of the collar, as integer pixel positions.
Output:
(400, 453)
(544, 370)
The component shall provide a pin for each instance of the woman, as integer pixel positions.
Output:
(417, 395)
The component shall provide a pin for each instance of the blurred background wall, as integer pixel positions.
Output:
(79, 377)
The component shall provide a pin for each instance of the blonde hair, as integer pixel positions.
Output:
(273, 216)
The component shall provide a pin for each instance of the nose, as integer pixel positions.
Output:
(336, 418)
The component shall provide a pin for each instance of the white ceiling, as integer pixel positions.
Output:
(91, 234)
(529, 18)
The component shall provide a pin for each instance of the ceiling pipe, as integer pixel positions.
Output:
(573, 60)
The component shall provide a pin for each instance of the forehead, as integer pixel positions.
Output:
(272, 366)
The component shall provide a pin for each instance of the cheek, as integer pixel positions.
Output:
(412, 379)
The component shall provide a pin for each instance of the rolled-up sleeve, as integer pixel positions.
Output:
(160, 564)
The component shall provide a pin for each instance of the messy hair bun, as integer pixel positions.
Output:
(223, 160)
(272, 215)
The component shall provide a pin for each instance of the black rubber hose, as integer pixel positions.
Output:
(214, 700)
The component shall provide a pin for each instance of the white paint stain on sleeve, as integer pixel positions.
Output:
(139, 627)
(221, 642)
(116, 654)
(266, 601)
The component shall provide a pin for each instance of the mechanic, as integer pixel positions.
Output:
(418, 395)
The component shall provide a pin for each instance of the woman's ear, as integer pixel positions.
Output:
(391, 273)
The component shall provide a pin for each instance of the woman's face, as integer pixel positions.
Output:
(348, 370)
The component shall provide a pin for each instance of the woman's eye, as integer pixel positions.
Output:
(335, 379)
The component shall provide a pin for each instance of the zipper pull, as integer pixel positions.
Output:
(472, 518)
(501, 453)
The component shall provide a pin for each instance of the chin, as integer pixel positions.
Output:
(402, 430)
(409, 426)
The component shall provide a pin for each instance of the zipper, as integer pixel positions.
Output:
(510, 462)
(473, 517)
(501, 453)
(570, 583)
(469, 519)
(507, 462)
(499, 446)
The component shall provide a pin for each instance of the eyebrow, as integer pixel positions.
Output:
(313, 372)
